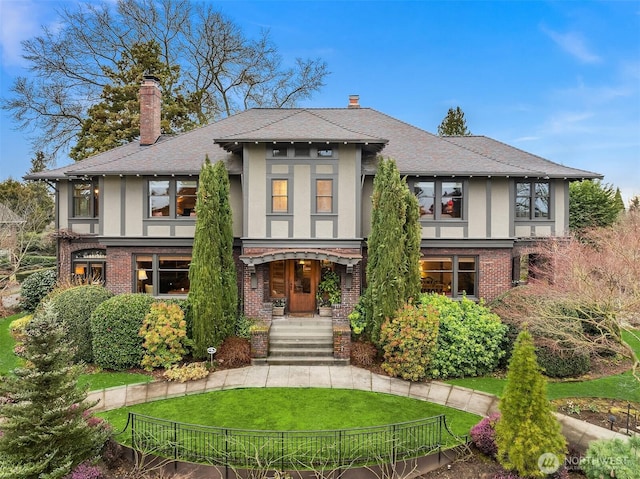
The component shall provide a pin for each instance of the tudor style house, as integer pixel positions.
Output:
(301, 182)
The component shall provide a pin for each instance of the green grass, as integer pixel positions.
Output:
(621, 386)
(98, 380)
(8, 360)
(289, 409)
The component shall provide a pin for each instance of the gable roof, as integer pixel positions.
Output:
(415, 151)
(9, 217)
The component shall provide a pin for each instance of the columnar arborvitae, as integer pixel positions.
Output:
(387, 262)
(413, 238)
(45, 432)
(213, 286)
(527, 427)
(229, 278)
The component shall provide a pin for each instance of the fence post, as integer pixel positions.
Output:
(175, 446)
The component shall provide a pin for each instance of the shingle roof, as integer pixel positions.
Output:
(415, 151)
(8, 216)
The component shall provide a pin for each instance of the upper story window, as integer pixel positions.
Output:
(85, 199)
(438, 199)
(279, 196)
(532, 199)
(324, 196)
(301, 151)
(172, 198)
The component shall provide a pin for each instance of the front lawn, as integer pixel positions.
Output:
(620, 386)
(96, 380)
(289, 409)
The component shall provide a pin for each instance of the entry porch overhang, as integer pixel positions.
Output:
(347, 259)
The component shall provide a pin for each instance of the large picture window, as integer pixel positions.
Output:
(172, 198)
(453, 276)
(160, 274)
(85, 199)
(439, 200)
(532, 199)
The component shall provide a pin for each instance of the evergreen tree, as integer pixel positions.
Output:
(618, 200)
(592, 204)
(387, 264)
(527, 427)
(229, 305)
(45, 427)
(634, 204)
(115, 121)
(454, 124)
(212, 276)
(413, 239)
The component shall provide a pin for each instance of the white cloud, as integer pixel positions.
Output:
(574, 44)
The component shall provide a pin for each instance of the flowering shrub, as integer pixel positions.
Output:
(86, 471)
(483, 435)
(165, 336)
(187, 372)
(408, 341)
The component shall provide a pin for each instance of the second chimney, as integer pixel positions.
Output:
(150, 110)
(354, 101)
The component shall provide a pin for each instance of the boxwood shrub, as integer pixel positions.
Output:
(559, 363)
(115, 324)
(74, 307)
(470, 338)
(35, 287)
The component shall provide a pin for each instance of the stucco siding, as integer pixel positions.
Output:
(235, 200)
(477, 208)
(500, 208)
(301, 201)
(256, 192)
(135, 199)
(347, 191)
(112, 206)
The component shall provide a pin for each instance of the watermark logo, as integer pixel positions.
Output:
(548, 463)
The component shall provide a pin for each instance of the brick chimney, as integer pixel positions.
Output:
(354, 101)
(150, 109)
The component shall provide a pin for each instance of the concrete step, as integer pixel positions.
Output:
(301, 341)
(303, 361)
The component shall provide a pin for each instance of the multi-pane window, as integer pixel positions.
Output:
(279, 196)
(324, 196)
(532, 199)
(453, 276)
(89, 266)
(85, 199)
(172, 198)
(439, 200)
(159, 274)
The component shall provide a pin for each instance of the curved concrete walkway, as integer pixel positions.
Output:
(579, 433)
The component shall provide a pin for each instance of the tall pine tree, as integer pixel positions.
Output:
(454, 124)
(391, 248)
(527, 428)
(213, 286)
(45, 431)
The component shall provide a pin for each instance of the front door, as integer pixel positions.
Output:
(302, 285)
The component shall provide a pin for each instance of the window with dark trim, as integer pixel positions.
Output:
(439, 199)
(324, 196)
(453, 276)
(161, 274)
(172, 198)
(533, 200)
(85, 196)
(89, 266)
(279, 196)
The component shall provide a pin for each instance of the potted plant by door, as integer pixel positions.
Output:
(328, 293)
(278, 305)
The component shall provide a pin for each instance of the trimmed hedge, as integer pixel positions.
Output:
(115, 324)
(35, 287)
(470, 338)
(74, 307)
(561, 363)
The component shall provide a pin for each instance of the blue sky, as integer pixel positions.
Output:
(559, 79)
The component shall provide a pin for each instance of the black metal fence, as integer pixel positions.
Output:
(289, 450)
